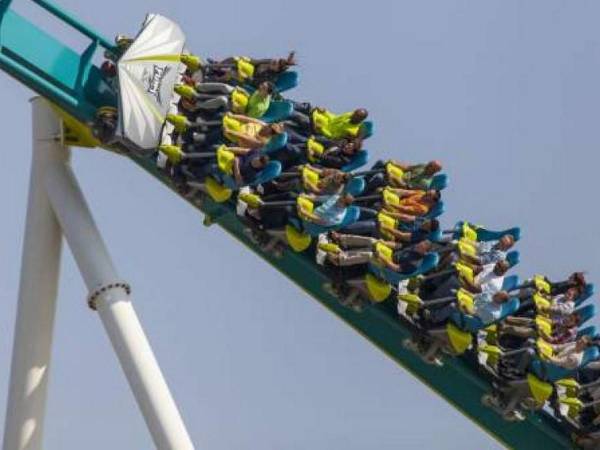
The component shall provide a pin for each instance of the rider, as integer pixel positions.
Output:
(413, 176)
(330, 213)
(490, 252)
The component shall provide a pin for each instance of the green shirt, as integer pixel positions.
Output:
(258, 105)
(416, 178)
(341, 127)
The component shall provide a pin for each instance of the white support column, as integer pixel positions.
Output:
(37, 294)
(110, 296)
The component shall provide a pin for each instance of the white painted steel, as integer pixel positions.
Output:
(116, 310)
(40, 267)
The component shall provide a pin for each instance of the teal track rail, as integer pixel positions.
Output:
(44, 64)
(71, 81)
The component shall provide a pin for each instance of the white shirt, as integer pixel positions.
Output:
(489, 282)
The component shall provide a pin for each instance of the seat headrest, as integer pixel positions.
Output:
(587, 331)
(355, 186)
(439, 182)
(271, 171)
(586, 313)
(275, 143)
(436, 211)
(512, 258)
(359, 160)
(510, 282)
(588, 291)
(590, 354)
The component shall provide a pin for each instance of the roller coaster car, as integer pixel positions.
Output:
(456, 337)
(221, 183)
(511, 397)
(478, 233)
(580, 417)
(299, 233)
(376, 283)
(315, 150)
(438, 182)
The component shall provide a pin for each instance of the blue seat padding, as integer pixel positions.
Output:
(278, 111)
(276, 143)
(435, 236)
(428, 263)
(270, 172)
(588, 291)
(510, 282)
(355, 186)
(351, 216)
(439, 182)
(366, 129)
(549, 372)
(587, 331)
(473, 324)
(586, 313)
(512, 258)
(286, 81)
(436, 211)
(359, 160)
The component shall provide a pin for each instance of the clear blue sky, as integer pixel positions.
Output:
(504, 92)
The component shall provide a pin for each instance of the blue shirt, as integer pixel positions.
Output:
(330, 211)
(489, 254)
(486, 308)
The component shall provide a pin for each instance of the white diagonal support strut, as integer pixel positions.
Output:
(64, 201)
(37, 294)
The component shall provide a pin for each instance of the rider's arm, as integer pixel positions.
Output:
(239, 151)
(236, 171)
(250, 140)
(246, 119)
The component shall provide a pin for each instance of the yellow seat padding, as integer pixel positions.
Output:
(384, 252)
(225, 159)
(464, 271)
(218, 192)
(386, 222)
(394, 171)
(541, 303)
(459, 340)
(541, 284)
(465, 301)
(304, 205)
(315, 149)
(239, 100)
(544, 349)
(297, 240)
(309, 177)
(469, 231)
(540, 390)
(378, 290)
(173, 153)
(390, 198)
(467, 247)
(245, 68)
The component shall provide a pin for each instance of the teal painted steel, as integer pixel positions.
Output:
(66, 17)
(73, 83)
(50, 68)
